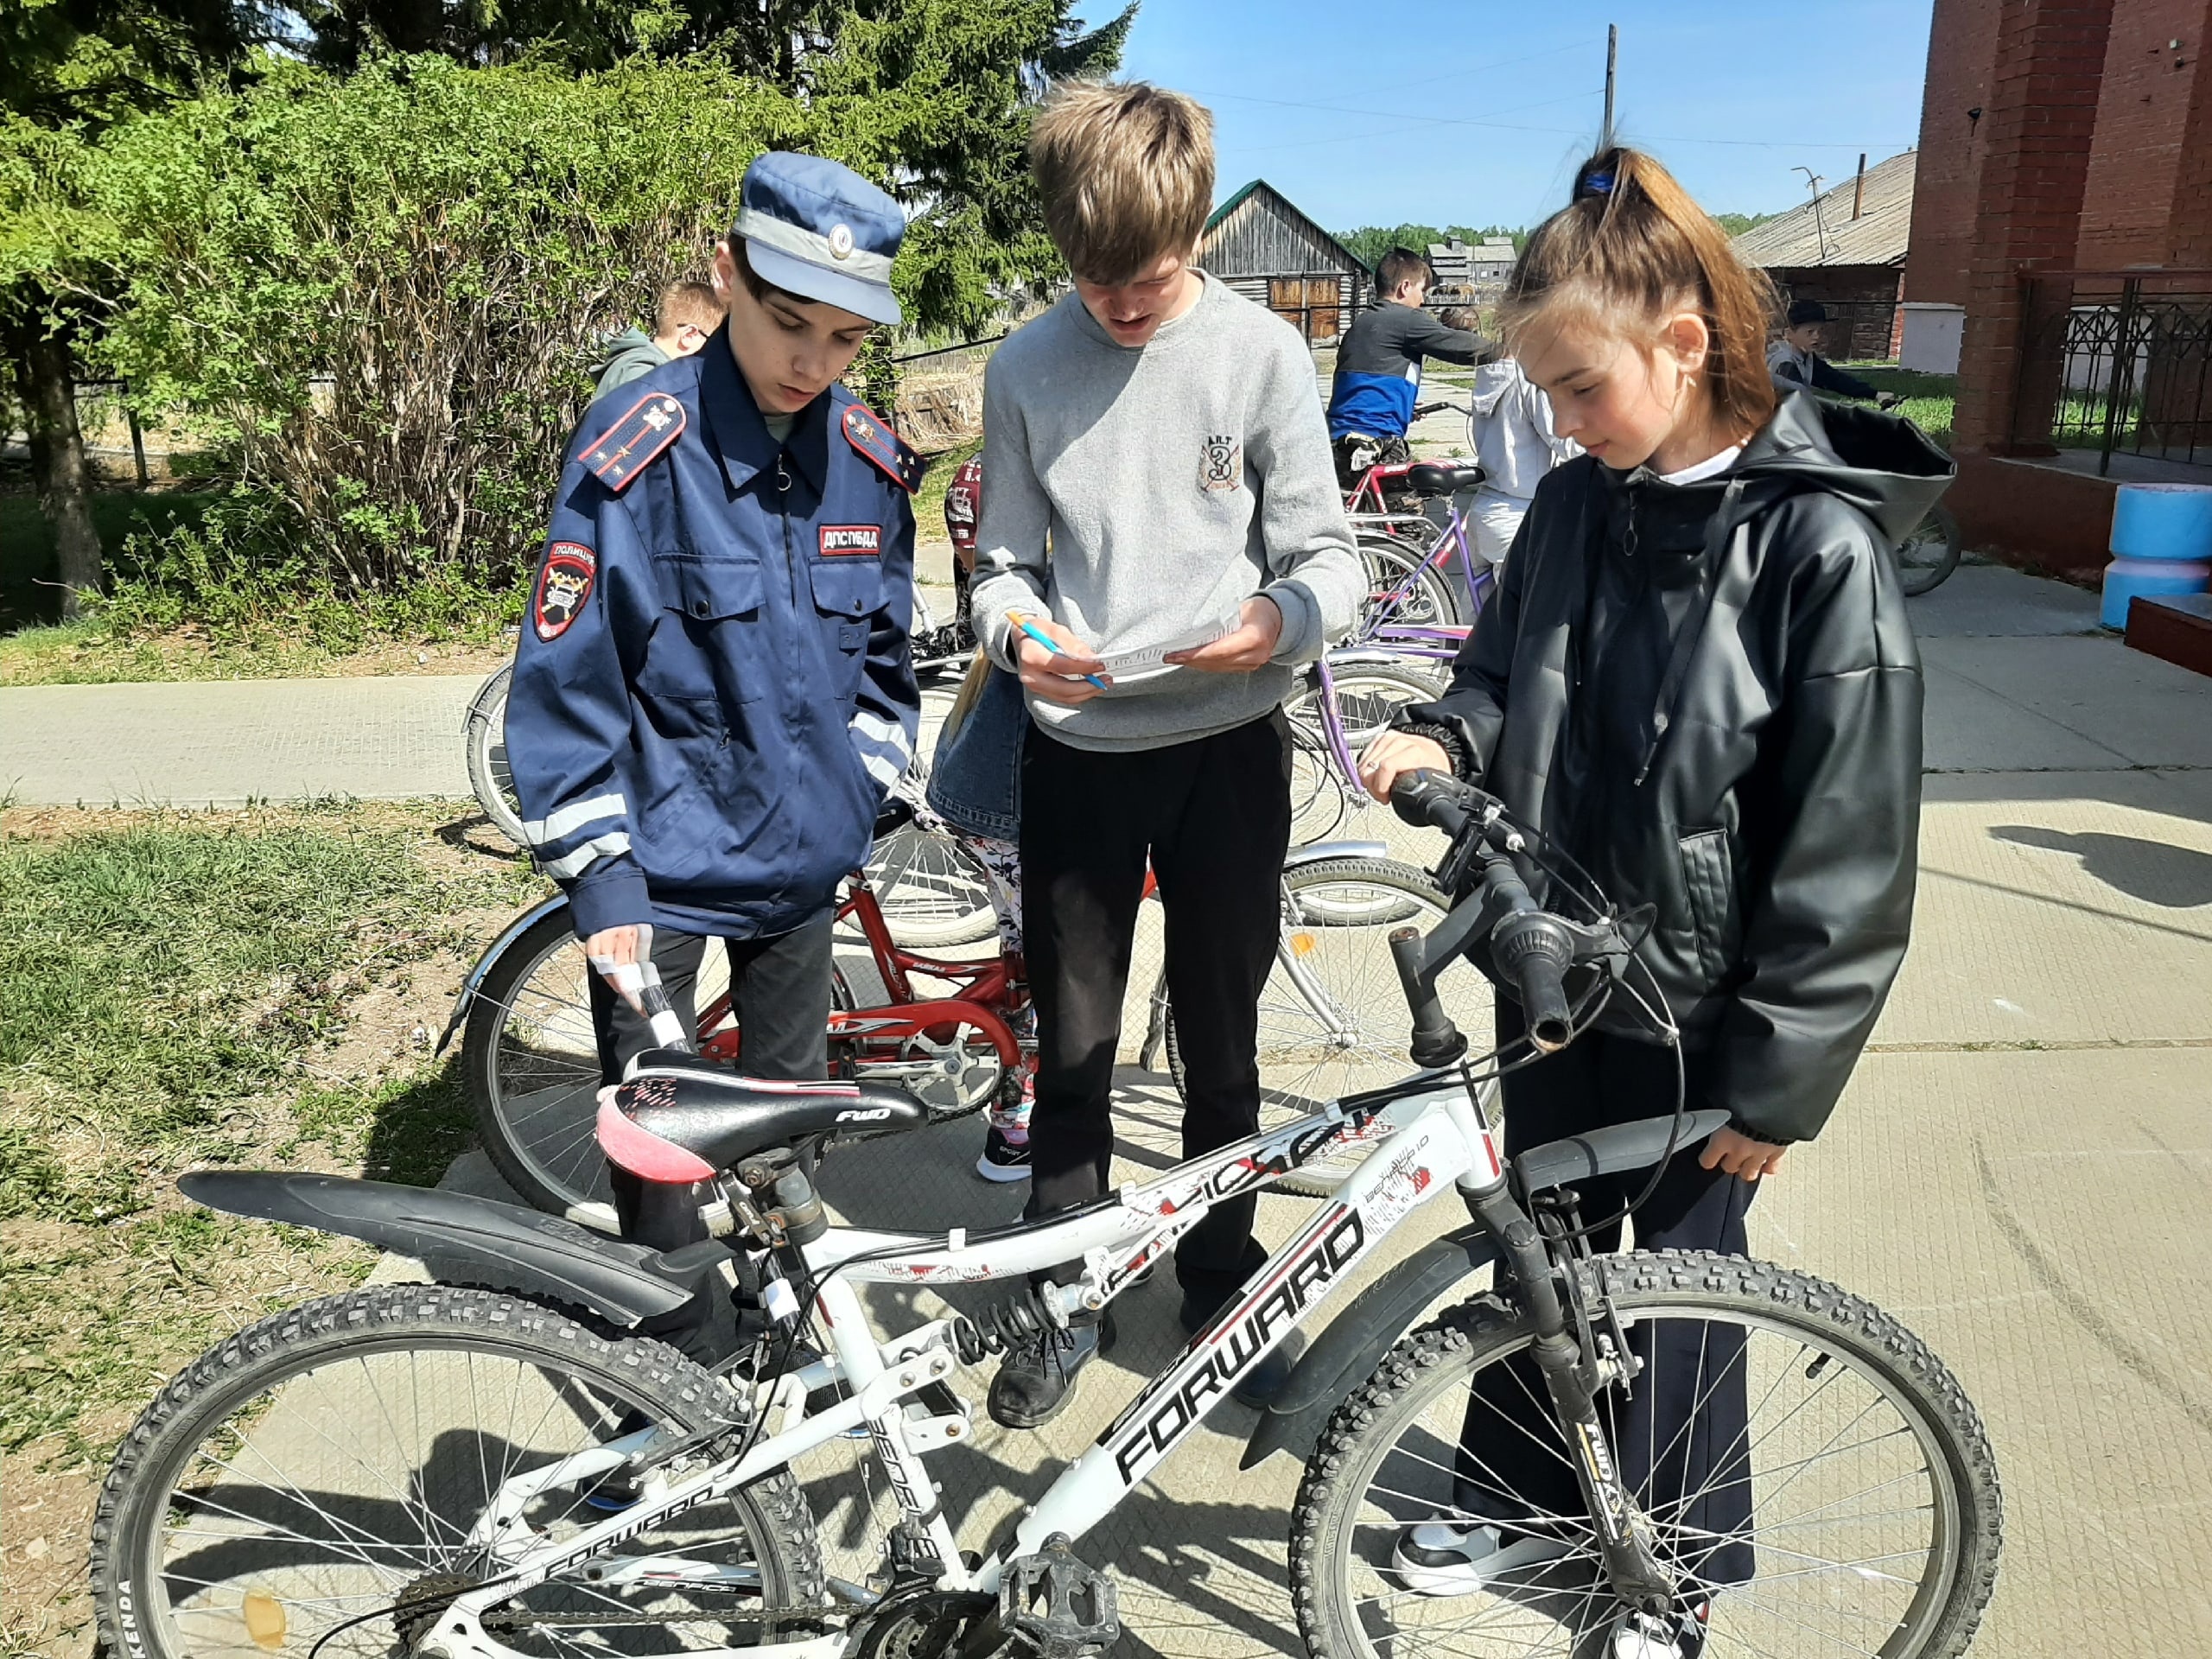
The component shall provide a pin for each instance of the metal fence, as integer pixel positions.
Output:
(2117, 362)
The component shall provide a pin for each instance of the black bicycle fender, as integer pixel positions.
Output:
(1610, 1150)
(502, 1246)
(1344, 1355)
(499, 947)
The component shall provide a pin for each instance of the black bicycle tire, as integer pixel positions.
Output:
(1426, 1362)
(1918, 580)
(1380, 872)
(135, 1496)
(1434, 582)
(482, 729)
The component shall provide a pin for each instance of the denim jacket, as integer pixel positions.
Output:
(976, 779)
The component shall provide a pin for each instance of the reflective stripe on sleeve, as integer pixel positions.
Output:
(574, 816)
(886, 734)
(885, 770)
(573, 864)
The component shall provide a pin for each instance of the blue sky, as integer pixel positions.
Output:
(1475, 114)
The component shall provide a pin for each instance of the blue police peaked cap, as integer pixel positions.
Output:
(818, 229)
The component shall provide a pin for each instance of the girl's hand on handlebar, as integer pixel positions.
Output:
(1392, 755)
(1741, 1156)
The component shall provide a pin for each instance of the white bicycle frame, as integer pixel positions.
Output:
(1436, 1140)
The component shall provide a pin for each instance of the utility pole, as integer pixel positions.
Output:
(1812, 183)
(1612, 53)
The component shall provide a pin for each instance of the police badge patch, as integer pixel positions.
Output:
(1221, 465)
(563, 586)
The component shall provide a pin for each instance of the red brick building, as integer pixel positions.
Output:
(2061, 227)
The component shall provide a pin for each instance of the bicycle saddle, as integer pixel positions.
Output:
(1444, 477)
(683, 1118)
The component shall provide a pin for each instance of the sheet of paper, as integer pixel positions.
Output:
(1147, 659)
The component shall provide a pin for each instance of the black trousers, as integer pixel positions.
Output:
(1213, 818)
(1681, 1435)
(779, 992)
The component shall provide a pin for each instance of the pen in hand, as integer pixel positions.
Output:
(1051, 644)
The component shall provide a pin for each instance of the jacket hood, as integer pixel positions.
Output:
(614, 347)
(1882, 464)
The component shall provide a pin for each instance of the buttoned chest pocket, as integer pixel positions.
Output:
(847, 594)
(703, 650)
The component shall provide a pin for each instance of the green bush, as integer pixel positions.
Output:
(383, 289)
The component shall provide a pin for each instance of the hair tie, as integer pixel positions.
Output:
(1597, 184)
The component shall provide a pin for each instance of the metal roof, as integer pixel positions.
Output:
(1878, 235)
(1232, 246)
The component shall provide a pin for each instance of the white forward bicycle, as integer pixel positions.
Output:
(460, 1472)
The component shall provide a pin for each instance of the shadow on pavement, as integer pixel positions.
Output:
(2158, 873)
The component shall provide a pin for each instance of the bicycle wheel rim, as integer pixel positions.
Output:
(491, 778)
(328, 1490)
(933, 891)
(1927, 555)
(1550, 1608)
(544, 1076)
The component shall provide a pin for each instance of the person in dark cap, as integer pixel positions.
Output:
(1796, 365)
(712, 695)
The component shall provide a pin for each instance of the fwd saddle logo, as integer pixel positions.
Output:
(864, 1115)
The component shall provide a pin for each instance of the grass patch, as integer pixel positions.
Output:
(189, 988)
(1929, 398)
(28, 568)
(98, 653)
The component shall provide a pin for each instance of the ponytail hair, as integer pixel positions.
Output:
(1629, 249)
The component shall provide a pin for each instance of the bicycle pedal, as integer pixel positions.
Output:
(1056, 1605)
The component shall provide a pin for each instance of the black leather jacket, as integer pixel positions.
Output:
(1709, 694)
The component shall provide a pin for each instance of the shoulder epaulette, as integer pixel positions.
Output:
(625, 450)
(881, 446)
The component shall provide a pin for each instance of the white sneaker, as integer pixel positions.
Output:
(1439, 1558)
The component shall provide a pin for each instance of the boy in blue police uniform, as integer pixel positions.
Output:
(713, 694)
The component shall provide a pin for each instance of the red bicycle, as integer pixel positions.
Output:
(1328, 1026)
(530, 1059)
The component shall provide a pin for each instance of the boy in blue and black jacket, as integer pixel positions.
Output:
(1378, 366)
(713, 694)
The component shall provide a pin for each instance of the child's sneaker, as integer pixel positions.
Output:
(1445, 1558)
(1003, 1159)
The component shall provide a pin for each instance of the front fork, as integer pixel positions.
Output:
(1624, 1540)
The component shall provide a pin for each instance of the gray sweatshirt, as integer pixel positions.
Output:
(1171, 482)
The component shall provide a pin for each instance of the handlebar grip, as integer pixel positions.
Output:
(1429, 800)
(1436, 1040)
(1535, 951)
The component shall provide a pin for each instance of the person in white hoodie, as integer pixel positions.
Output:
(1510, 424)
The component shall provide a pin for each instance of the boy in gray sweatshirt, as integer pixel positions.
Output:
(1164, 439)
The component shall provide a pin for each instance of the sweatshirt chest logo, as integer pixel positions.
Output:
(1221, 465)
(852, 541)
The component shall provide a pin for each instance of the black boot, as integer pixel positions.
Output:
(1036, 1380)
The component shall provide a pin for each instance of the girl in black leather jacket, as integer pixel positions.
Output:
(1697, 678)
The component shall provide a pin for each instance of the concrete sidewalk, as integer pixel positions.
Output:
(224, 742)
(2019, 1171)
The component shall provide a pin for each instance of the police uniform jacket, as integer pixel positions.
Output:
(713, 691)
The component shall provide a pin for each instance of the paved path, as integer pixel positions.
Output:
(2019, 678)
(2020, 1168)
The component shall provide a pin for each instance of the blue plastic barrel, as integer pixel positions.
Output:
(2161, 542)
